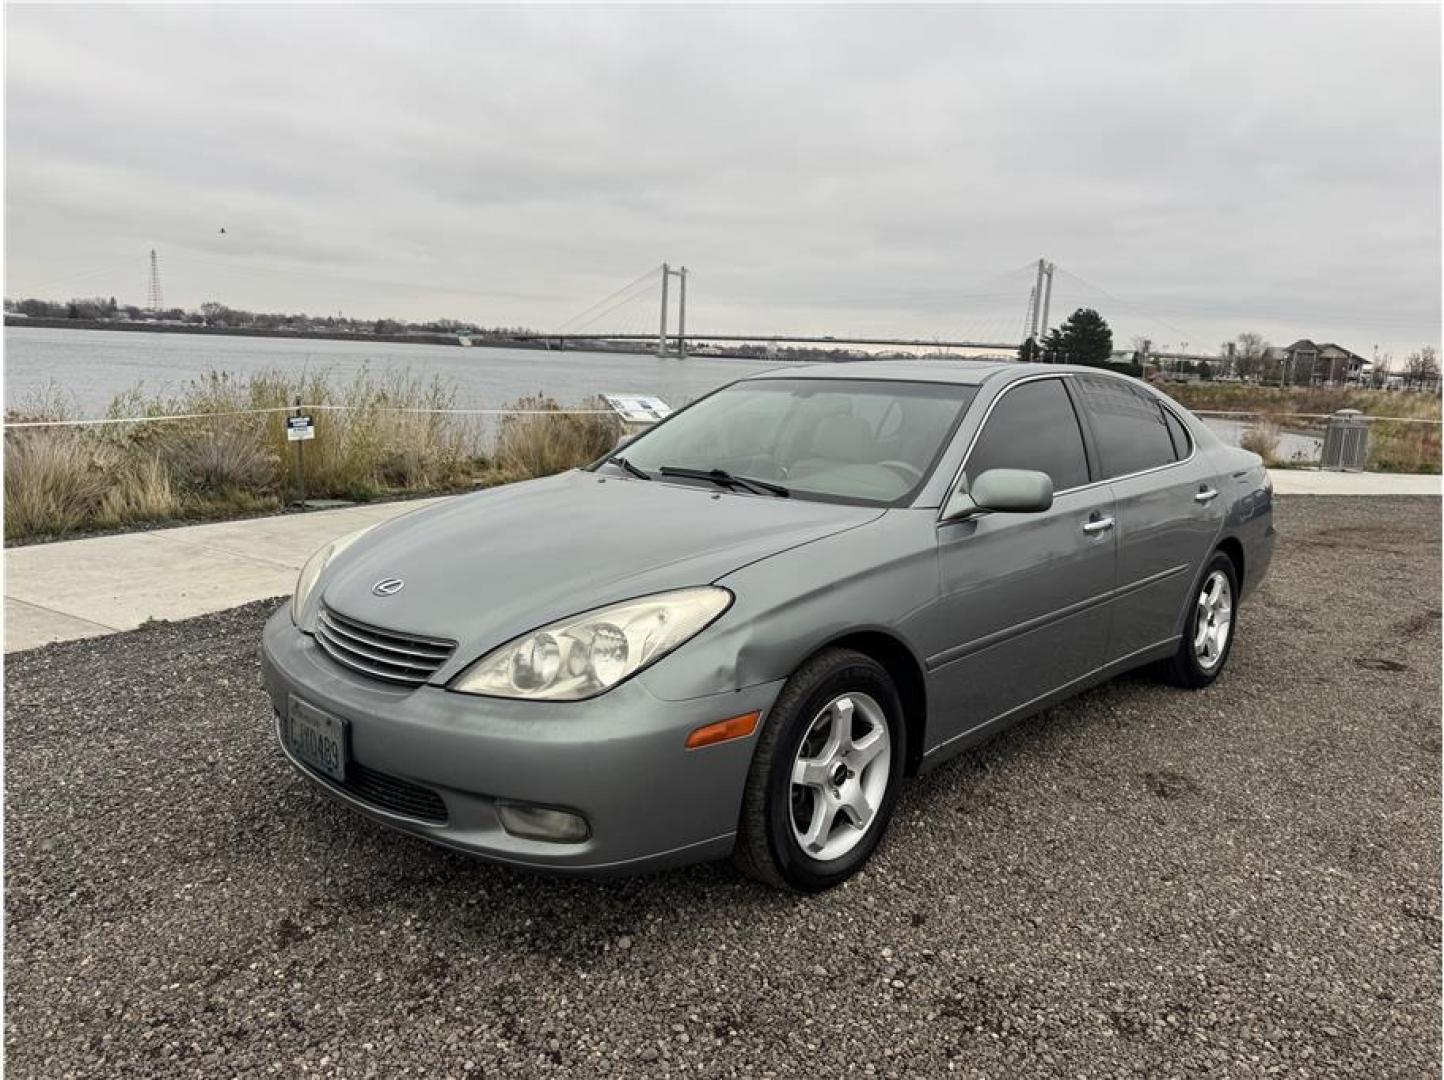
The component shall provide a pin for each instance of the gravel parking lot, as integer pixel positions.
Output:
(1141, 882)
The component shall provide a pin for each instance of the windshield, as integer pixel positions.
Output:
(843, 440)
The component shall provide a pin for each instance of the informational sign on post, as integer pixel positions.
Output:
(638, 408)
(300, 429)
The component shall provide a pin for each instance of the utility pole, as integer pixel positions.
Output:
(662, 333)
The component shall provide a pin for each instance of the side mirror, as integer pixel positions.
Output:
(1002, 491)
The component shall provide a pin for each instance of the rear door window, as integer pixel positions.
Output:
(1128, 426)
(1033, 426)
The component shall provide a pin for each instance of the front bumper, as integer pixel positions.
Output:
(618, 759)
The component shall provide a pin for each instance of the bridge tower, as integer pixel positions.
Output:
(1039, 300)
(681, 275)
(154, 301)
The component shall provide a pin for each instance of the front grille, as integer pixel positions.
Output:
(382, 654)
(393, 793)
(387, 792)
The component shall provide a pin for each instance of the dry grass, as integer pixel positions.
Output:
(377, 436)
(143, 491)
(535, 444)
(1263, 440)
(1245, 397)
(55, 481)
(1413, 448)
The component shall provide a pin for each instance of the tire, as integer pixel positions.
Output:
(1191, 667)
(836, 690)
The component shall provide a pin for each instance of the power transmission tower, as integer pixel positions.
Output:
(154, 300)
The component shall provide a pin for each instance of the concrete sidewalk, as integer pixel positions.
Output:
(85, 588)
(1318, 482)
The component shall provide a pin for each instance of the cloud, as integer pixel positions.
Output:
(1204, 170)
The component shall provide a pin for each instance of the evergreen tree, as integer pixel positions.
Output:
(1084, 339)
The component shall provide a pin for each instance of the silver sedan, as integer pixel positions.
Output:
(739, 633)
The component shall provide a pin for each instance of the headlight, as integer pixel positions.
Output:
(311, 572)
(582, 656)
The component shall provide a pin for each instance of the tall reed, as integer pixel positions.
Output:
(377, 435)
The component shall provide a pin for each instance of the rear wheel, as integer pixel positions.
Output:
(1208, 627)
(825, 775)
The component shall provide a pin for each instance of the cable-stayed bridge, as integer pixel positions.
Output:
(645, 309)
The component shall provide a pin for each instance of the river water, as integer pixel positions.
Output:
(90, 367)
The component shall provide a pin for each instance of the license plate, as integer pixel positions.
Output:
(317, 738)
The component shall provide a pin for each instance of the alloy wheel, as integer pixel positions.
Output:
(1213, 620)
(840, 776)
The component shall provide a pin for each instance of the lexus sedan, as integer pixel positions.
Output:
(738, 633)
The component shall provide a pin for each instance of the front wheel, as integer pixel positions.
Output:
(825, 775)
(1207, 628)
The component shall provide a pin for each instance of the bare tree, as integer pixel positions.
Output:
(1250, 350)
(1228, 359)
(1421, 369)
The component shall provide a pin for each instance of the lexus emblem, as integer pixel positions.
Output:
(388, 586)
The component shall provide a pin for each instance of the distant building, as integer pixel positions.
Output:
(1306, 363)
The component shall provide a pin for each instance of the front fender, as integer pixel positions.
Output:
(882, 577)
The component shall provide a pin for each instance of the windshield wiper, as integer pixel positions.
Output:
(617, 459)
(724, 478)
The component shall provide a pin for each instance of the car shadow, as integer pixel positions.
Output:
(375, 874)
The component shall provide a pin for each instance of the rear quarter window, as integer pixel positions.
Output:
(1178, 432)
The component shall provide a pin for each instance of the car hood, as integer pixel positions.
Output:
(483, 568)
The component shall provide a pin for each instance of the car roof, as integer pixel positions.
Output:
(964, 372)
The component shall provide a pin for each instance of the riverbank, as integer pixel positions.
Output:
(420, 337)
(376, 437)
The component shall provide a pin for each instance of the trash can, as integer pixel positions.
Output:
(1346, 442)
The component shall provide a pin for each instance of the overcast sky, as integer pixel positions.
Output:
(1193, 172)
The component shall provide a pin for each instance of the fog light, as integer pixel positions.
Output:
(542, 823)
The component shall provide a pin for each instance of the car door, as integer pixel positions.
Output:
(1167, 507)
(1023, 597)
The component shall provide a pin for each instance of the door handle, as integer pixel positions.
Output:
(1205, 495)
(1098, 525)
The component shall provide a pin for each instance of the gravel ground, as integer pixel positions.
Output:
(1141, 882)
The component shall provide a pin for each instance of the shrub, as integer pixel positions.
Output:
(1395, 447)
(1263, 440)
(55, 481)
(142, 491)
(228, 454)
